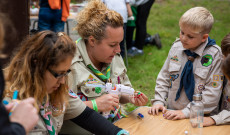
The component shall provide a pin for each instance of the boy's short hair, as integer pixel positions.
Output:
(225, 45)
(199, 19)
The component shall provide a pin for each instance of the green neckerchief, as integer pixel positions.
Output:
(46, 117)
(99, 74)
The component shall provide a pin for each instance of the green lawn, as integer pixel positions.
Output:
(163, 19)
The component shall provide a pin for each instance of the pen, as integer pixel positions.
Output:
(15, 96)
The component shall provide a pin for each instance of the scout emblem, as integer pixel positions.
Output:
(174, 58)
(173, 78)
(82, 97)
(201, 87)
(214, 84)
(98, 90)
(215, 77)
(206, 60)
(91, 80)
(72, 94)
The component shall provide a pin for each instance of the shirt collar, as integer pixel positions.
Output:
(199, 51)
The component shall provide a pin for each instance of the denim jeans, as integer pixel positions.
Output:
(50, 19)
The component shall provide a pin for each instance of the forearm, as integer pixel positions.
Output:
(222, 118)
(95, 123)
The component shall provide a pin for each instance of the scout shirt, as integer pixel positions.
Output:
(207, 78)
(224, 116)
(81, 76)
(74, 109)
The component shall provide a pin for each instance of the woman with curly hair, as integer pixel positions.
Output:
(98, 61)
(39, 70)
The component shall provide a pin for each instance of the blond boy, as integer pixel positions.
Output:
(192, 66)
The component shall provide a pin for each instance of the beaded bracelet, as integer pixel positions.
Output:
(94, 105)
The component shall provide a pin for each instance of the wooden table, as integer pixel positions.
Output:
(157, 125)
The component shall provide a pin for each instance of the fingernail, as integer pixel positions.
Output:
(141, 94)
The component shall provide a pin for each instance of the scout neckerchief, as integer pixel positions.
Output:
(46, 117)
(99, 74)
(187, 77)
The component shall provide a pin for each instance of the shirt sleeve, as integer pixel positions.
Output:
(162, 84)
(74, 108)
(222, 118)
(7, 127)
(213, 87)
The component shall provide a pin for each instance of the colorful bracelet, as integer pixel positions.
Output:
(94, 105)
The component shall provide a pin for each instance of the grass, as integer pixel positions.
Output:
(163, 19)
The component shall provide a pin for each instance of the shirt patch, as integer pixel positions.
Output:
(173, 78)
(72, 94)
(91, 80)
(82, 96)
(174, 58)
(200, 87)
(206, 60)
(215, 77)
(222, 78)
(214, 84)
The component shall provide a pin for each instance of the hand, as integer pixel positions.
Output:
(140, 99)
(107, 102)
(9, 106)
(208, 121)
(156, 108)
(174, 115)
(25, 114)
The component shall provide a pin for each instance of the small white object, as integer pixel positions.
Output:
(186, 132)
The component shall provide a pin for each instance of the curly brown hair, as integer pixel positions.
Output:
(26, 70)
(94, 18)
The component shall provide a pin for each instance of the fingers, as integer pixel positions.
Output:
(9, 106)
(29, 100)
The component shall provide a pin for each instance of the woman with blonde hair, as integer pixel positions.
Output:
(98, 62)
(39, 70)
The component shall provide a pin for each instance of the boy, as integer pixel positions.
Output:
(224, 116)
(192, 66)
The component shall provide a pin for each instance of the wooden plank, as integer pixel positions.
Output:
(157, 125)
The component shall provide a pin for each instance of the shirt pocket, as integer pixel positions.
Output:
(91, 91)
(202, 72)
(174, 67)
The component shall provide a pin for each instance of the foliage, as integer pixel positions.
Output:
(163, 19)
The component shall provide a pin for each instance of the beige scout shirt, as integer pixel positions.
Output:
(75, 108)
(207, 79)
(224, 116)
(81, 75)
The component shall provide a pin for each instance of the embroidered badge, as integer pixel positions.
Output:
(91, 80)
(72, 94)
(98, 90)
(214, 84)
(228, 98)
(200, 87)
(206, 60)
(173, 78)
(222, 78)
(174, 58)
(225, 105)
(87, 91)
(82, 96)
(215, 77)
